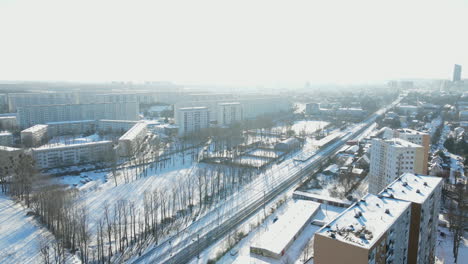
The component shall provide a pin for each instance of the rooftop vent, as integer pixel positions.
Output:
(418, 191)
(363, 200)
(391, 195)
(405, 184)
(332, 235)
(387, 211)
(425, 183)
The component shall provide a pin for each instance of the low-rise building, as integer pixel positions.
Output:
(34, 135)
(129, 142)
(285, 230)
(66, 155)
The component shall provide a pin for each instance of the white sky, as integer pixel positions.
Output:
(232, 42)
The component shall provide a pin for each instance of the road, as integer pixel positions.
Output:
(226, 216)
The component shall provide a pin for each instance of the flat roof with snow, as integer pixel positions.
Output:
(70, 122)
(366, 221)
(398, 142)
(35, 128)
(133, 131)
(233, 103)
(283, 231)
(71, 146)
(411, 187)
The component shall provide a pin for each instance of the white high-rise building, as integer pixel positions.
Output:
(229, 113)
(412, 136)
(391, 158)
(424, 193)
(192, 119)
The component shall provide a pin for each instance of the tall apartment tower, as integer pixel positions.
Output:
(374, 230)
(391, 158)
(192, 119)
(229, 113)
(457, 69)
(424, 193)
(399, 225)
(413, 136)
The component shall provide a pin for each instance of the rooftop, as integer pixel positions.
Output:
(70, 122)
(35, 128)
(233, 103)
(193, 108)
(366, 221)
(288, 225)
(411, 187)
(71, 146)
(133, 131)
(401, 143)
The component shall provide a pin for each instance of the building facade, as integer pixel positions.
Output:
(424, 193)
(374, 230)
(6, 139)
(129, 142)
(57, 156)
(41, 114)
(192, 119)
(34, 136)
(391, 158)
(413, 136)
(229, 113)
(16, 100)
(457, 70)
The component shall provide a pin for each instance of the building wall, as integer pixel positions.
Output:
(229, 113)
(70, 128)
(34, 136)
(130, 141)
(32, 115)
(390, 161)
(332, 251)
(192, 120)
(72, 154)
(6, 139)
(16, 100)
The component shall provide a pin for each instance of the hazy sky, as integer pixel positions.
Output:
(232, 42)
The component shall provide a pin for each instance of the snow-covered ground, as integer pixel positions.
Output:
(20, 235)
(444, 248)
(306, 126)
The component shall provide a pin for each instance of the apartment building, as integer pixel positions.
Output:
(391, 158)
(413, 136)
(16, 100)
(374, 230)
(8, 122)
(41, 114)
(129, 142)
(70, 127)
(115, 126)
(424, 193)
(65, 155)
(192, 119)
(6, 138)
(229, 113)
(34, 136)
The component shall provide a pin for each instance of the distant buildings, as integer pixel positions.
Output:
(6, 139)
(17, 100)
(229, 113)
(41, 114)
(8, 122)
(457, 69)
(192, 119)
(391, 158)
(399, 225)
